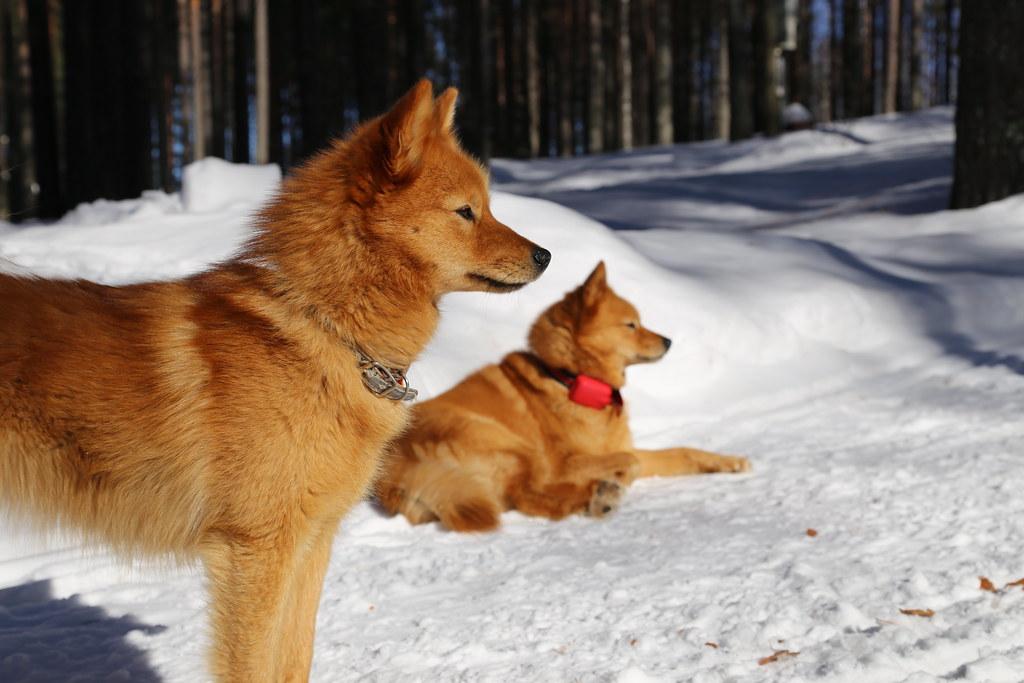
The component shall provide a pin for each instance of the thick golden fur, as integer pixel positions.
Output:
(508, 436)
(224, 415)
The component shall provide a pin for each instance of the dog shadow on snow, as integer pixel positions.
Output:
(44, 638)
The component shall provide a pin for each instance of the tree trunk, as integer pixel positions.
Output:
(313, 111)
(472, 49)
(412, 13)
(663, 73)
(892, 55)
(767, 114)
(216, 56)
(625, 78)
(989, 156)
(868, 48)
(261, 41)
(707, 116)
(722, 114)
(565, 132)
(741, 99)
(533, 111)
(242, 65)
(682, 68)
(916, 33)
(950, 55)
(6, 163)
(838, 110)
(596, 80)
(26, 133)
(200, 81)
(13, 153)
(799, 74)
(44, 112)
(853, 62)
(641, 40)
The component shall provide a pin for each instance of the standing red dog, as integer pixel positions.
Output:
(238, 414)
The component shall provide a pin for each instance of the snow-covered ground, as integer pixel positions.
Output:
(831, 322)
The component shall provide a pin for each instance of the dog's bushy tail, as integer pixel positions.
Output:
(432, 490)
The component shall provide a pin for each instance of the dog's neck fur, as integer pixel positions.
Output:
(564, 354)
(374, 300)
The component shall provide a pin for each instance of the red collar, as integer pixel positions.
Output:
(586, 390)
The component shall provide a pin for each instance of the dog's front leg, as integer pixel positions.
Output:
(672, 462)
(249, 580)
(583, 468)
(302, 601)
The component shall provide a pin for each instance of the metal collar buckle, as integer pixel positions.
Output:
(385, 382)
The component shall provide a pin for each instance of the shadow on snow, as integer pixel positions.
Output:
(43, 638)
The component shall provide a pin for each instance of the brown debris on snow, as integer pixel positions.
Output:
(927, 613)
(781, 654)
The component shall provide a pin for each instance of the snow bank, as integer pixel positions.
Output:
(156, 237)
(212, 184)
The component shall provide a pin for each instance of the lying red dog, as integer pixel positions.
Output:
(544, 432)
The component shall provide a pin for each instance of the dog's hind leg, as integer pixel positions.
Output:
(554, 501)
(463, 500)
(672, 462)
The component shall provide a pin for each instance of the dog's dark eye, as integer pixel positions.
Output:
(631, 326)
(466, 212)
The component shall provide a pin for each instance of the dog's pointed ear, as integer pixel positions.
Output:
(405, 129)
(595, 286)
(444, 111)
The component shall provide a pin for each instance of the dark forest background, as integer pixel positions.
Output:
(107, 98)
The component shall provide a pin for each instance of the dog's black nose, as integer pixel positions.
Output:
(542, 257)
(667, 342)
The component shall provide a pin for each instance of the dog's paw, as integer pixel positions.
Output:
(605, 499)
(734, 463)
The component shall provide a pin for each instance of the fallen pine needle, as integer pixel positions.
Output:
(1016, 583)
(781, 654)
(927, 613)
(712, 645)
